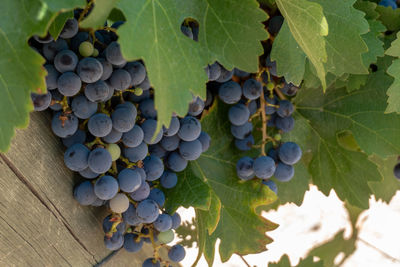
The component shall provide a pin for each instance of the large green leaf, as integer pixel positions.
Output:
(21, 68)
(230, 32)
(308, 26)
(390, 17)
(232, 203)
(320, 117)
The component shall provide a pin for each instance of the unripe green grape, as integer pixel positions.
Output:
(166, 237)
(270, 86)
(95, 53)
(278, 137)
(138, 91)
(114, 150)
(86, 49)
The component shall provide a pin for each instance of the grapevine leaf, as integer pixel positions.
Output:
(99, 14)
(388, 187)
(233, 203)
(344, 44)
(308, 26)
(229, 32)
(21, 68)
(307, 262)
(368, 8)
(394, 71)
(187, 229)
(116, 15)
(355, 81)
(375, 45)
(290, 59)
(58, 24)
(390, 17)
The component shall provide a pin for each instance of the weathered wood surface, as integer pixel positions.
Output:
(40, 222)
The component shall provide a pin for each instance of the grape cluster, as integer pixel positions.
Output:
(105, 115)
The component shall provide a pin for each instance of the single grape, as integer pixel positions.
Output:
(99, 160)
(134, 137)
(176, 253)
(95, 53)
(128, 105)
(82, 107)
(190, 150)
(205, 141)
(289, 89)
(240, 132)
(130, 216)
(196, 107)
(113, 54)
(272, 185)
(275, 24)
(129, 180)
(88, 173)
(120, 79)
(123, 119)
(284, 124)
(115, 242)
(245, 144)
(147, 109)
(51, 77)
(269, 110)
(50, 50)
(132, 242)
(213, 71)
(157, 150)
(149, 128)
(78, 137)
(100, 125)
(89, 69)
(176, 220)
(252, 89)
(138, 91)
(271, 66)
(175, 162)
(86, 49)
(225, 75)
(65, 60)
(154, 167)
(253, 107)
(230, 92)
(151, 262)
(41, 101)
(163, 223)
(108, 223)
(264, 167)
(170, 143)
(119, 203)
(290, 153)
(238, 114)
(273, 153)
(114, 150)
(106, 187)
(244, 168)
(134, 154)
(147, 210)
(284, 172)
(97, 91)
(64, 125)
(145, 85)
(113, 137)
(76, 157)
(69, 84)
(142, 192)
(174, 127)
(158, 196)
(137, 72)
(84, 193)
(187, 31)
(56, 96)
(168, 179)
(190, 128)
(70, 29)
(43, 40)
(396, 171)
(166, 237)
(285, 108)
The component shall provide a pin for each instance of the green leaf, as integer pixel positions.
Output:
(308, 26)
(388, 187)
(229, 32)
(233, 202)
(307, 262)
(290, 59)
(368, 8)
(344, 44)
(21, 68)
(58, 24)
(320, 117)
(375, 45)
(389, 17)
(99, 14)
(116, 15)
(394, 71)
(355, 81)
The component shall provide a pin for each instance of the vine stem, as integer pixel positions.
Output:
(263, 116)
(244, 260)
(279, 93)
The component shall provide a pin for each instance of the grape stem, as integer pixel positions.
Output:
(86, 10)
(96, 141)
(263, 117)
(279, 93)
(244, 260)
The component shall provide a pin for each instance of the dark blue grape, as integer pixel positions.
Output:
(130, 216)
(69, 84)
(134, 137)
(88, 173)
(163, 223)
(82, 107)
(269, 110)
(51, 49)
(158, 196)
(70, 29)
(114, 55)
(213, 71)
(108, 223)
(190, 128)
(147, 109)
(252, 89)
(175, 162)
(65, 60)
(289, 89)
(41, 101)
(123, 119)
(84, 193)
(149, 128)
(99, 160)
(129, 180)
(151, 262)
(64, 125)
(245, 144)
(174, 127)
(230, 92)
(273, 153)
(238, 114)
(107, 69)
(76, 157)
(187, 31)
(264, 167)
(89, 69)
(244, 168)
(170, 143)
(190, 150)
(100, 125)
(196, 107)
(113, 137)
(142, 193)
(253, 107)
(132, 242)
(285, 108)
(168, 179)
(120, 79)
(97, 91)
(154, 167)
(176, 253)
(157, 150)
(290, 153)
(51, 77)
(145, 85)
(240, 132)
(205, 141)
(98, 202)
(137, 72)
(147, 210)
(225, 75)
(284, 172)
(284, 124)
(115, 242)
(176, 220)
(134, 154)
(271, 66)
(78, 137)
(106, 187)
(272, 185)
